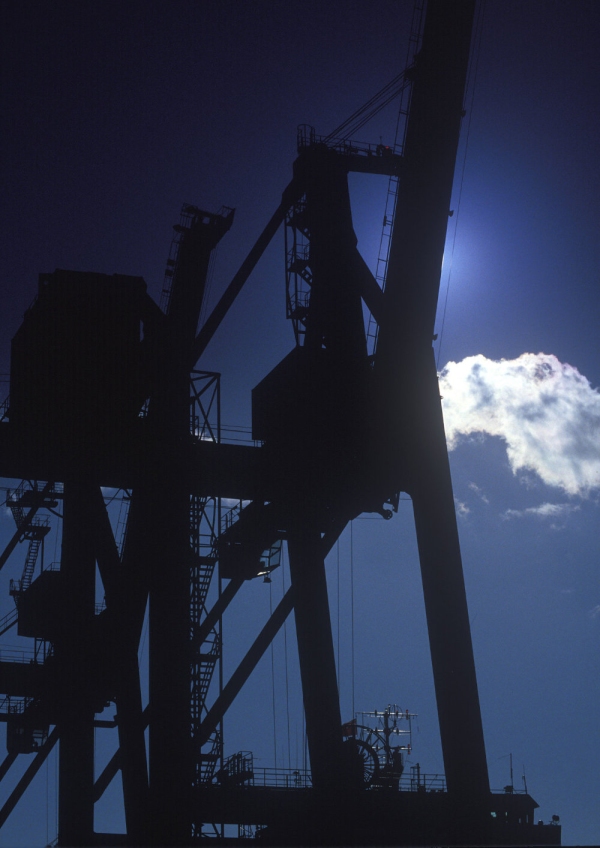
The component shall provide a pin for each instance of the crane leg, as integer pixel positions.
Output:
(445, 598)
(317, 659)
(74, 652)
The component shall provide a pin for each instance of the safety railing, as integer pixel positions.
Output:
(301, 779)
(283, 778)
(422, 783)
(236, 434)
(14, 654)
(307, 137)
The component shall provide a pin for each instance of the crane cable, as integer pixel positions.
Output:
(390, 91)
(396, 93)
(273, 679)
(369, 109)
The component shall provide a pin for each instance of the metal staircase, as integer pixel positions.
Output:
(205, 516)
(36, 532)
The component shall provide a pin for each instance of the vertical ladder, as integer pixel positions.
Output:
(297, 268)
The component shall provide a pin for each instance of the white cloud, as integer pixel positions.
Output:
(545, 410)
(545, 510)
(479, 492)
(462, 509)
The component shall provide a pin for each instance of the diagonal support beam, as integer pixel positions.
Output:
(369, 289)
(260, 645)
(215, 613)
(6, 764)
(110, 771)
(246, 667)
(31, 771)
(132, 722)
(112, 767)
(290, 194)
(107, 554)
(131, 725)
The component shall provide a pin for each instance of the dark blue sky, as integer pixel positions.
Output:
(117, 112)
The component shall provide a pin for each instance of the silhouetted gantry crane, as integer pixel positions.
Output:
(94, 403)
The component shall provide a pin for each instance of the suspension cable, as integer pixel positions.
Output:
(369, 109)
(390, 90)
(397, 92)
